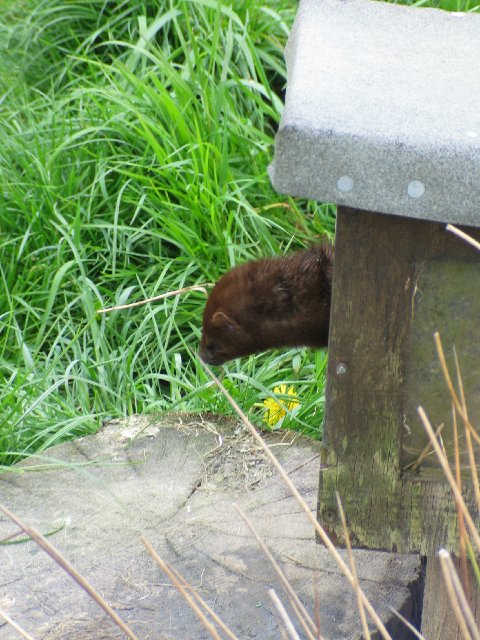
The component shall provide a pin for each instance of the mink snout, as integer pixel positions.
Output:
(269, 303)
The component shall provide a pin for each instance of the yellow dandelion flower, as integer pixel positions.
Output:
(274, 410)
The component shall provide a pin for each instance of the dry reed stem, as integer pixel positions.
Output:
(462, 535)
(300, 611)
(448, 473)
(207, 608)
(469, 431)
(293, 635)
(15, 626)
(454, 605)
(294, 491)
(427, 450)
(461, 234)
(408, 624)
(460, 606)
(471, 455)
(172, 577)
(353, 568)
(282, 631)
(471, 555)
(317, 604)
(274, 205)
(453, 393)
(168, 294)
(442, 446)
(70, 569)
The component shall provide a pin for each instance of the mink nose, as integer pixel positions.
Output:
(210, 355)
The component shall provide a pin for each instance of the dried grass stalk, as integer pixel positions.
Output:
(353, 568)
(316, 604)
(178, 584)
(448, 473)
(468, 438)
(426, 451)
(201, 601)
(15, 626)
(462, 534)
(162, 296)
(70, 569)
(292, 634)
(453, 393)
(460, 606)
(294, 491)
(408, 624)
(464, 236)
(302, 614)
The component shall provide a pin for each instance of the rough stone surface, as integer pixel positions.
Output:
(175, 480)
(382, 110)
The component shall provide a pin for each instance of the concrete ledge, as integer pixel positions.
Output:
(382, 110)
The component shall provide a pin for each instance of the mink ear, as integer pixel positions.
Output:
(222, 321)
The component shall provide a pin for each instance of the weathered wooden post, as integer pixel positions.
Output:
(382, 114)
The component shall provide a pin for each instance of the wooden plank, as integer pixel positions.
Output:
(438, 619)
(447, 300)
(379, 262)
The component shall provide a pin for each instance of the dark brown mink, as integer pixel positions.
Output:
(269, 303)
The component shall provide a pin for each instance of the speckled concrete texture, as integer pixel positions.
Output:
(382, 110)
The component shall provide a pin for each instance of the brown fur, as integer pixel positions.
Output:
(274, 302)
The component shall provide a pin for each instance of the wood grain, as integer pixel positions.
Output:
(438, 619)
(379, 261)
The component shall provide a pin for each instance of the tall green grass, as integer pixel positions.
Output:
(134, 143)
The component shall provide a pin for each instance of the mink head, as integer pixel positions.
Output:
(274, 302)
(227, 320)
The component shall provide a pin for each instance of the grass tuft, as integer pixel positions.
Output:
(134, 144)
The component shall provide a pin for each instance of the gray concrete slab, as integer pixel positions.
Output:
(175, 480)
(382, 110)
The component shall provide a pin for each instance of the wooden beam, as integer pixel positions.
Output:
(391, 275)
